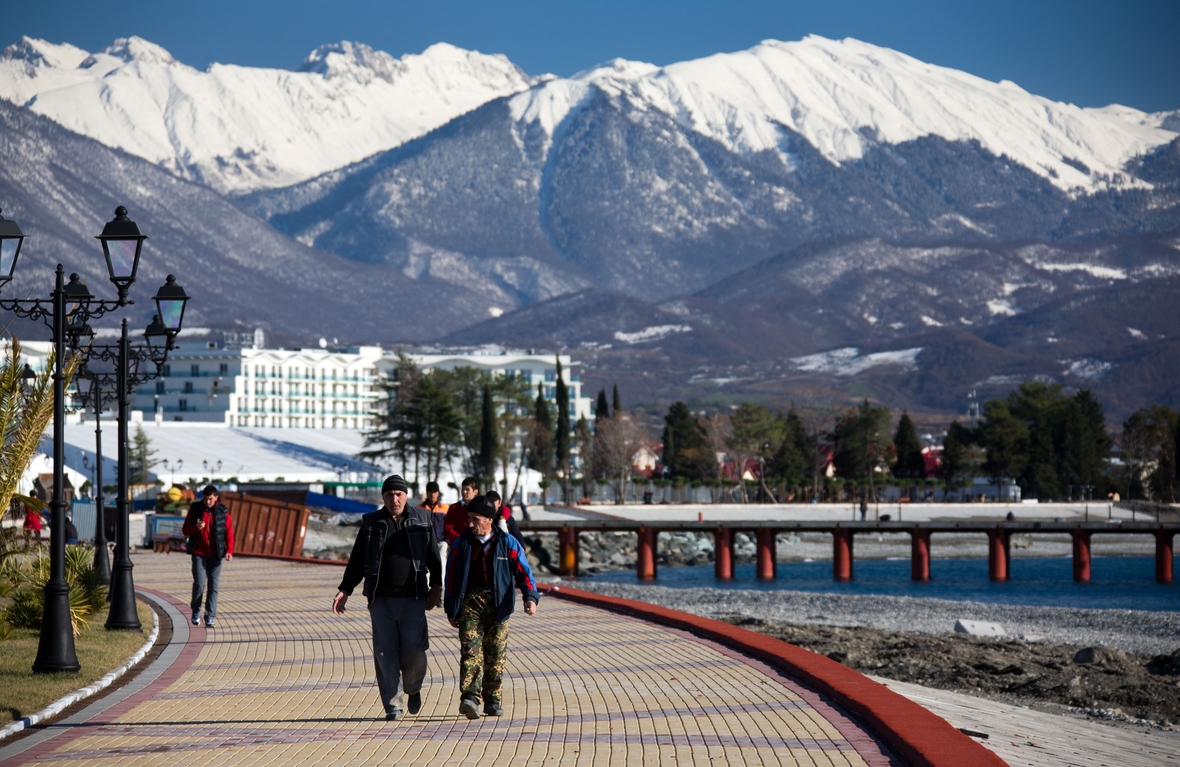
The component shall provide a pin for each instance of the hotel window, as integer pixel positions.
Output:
(195, 370)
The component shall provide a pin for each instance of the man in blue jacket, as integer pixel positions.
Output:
(482, 568)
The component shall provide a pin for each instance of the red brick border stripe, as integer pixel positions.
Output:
(921, 737)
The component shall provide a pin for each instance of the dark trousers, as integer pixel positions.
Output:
(206, 569)
(400, 642)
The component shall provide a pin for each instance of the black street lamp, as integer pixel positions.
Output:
(69, 305)
(121, 245)
(126, 377)
(11, 238)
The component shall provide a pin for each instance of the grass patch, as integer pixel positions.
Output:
(22, 692)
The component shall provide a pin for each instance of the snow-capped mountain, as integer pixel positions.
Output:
(239, 128)
(845, 96)
(657, 182)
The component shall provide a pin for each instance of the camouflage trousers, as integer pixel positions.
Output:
(483, 643)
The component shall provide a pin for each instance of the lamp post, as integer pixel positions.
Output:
(174, 467)
(71, 305)
(127, 376)
(90, 390)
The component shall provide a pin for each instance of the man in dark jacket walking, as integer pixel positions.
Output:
(209, 538)
(397, 556)
(483, 565)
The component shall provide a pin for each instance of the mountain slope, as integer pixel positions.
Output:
(241, 128)
(61, 187)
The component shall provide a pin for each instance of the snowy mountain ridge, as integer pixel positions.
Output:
(241, 128)
(844, 96)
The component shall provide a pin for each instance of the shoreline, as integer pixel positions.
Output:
(1140, 632)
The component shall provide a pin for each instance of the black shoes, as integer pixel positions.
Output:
(469, 708)
(492, 708)
(414, 703)
(394, 715)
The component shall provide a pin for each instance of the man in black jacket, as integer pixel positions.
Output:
(395, 553)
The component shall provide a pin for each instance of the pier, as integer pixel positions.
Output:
(765, 531)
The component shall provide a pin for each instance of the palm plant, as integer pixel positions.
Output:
(25, 413)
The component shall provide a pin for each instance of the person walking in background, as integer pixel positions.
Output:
(504, 519)
(456, 521)
(70, 530)
(438, 517)
(484, 565)
(397, 556)
(209, 538)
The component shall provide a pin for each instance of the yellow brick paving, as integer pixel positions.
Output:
(281, 680)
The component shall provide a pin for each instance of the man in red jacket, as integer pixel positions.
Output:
(456, 521)
(209, 534)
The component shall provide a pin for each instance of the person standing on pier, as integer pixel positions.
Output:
(397, 556)
(209, 538)
(483, 566)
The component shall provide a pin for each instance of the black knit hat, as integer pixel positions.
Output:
(480, 506)
(432, 487)
(394, 482)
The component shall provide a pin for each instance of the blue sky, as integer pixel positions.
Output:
(1087, 52)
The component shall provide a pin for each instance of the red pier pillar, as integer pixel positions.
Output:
(920, 554)
(568, 555)
(842, 554)
(1081, 555)
(1163, 557)
(766, 554)
(646, 566)
(723, 554)
(998, 555)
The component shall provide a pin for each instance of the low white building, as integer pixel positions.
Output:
(314, 388)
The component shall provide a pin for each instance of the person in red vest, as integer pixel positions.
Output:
(456, 521)
(209, 538)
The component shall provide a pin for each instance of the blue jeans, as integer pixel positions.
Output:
(206, 569)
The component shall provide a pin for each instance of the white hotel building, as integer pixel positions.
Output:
(313, 388)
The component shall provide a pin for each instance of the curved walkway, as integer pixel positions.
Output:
(283, 681)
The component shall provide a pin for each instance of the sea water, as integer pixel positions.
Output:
(1116, 582)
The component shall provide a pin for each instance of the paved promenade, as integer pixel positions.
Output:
(281, 680)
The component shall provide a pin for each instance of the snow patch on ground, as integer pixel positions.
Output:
(1086, 368)
(1002, 308)
(1103, 272)
(848, 360)
(653, 333)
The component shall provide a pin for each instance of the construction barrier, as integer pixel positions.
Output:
(263, 526)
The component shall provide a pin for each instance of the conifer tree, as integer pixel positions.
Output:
(910, 461)
(617, 404)
(541, 439)
(562, 437)
(489, 439)
(600, 408)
